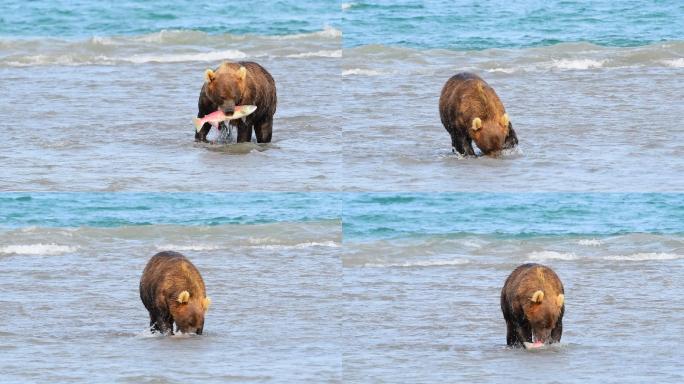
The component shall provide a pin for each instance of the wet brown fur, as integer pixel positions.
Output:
(223, 88)
(464, 97)
(165, 277)
(523, 316)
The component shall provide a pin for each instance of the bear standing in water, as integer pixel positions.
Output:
(533, 304)
(241, 83)
(470, 111)
(172, 290)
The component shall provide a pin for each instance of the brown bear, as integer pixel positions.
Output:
(172, 290)
(533, 304)
(470, 110)
(241, 83)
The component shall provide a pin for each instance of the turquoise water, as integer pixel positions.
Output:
(475, 25)
(103, 18)
(185, 209)
(509, 215)
(462, 25)
(365, 216)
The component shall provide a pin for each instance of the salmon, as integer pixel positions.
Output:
(215, 118)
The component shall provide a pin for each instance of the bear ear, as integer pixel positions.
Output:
(209, 76)
(537, 297)
(183, 297)
(206, 302)
(242, 73)
(504, 120)
(560, 300)
(477, 124)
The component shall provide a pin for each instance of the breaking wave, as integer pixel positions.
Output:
(551, 255)
(645, 257)
(378, 59)
(322, 53)
(579, 64)
(590, 242)
(37, 249)
(166, 46)
(676, 63)
(362, 72)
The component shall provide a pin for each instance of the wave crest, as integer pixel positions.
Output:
(37, 249)
(166, 46)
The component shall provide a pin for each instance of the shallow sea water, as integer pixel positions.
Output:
(588, 118)
(115, 114)
(423, 278)
(73, 313)
(386, 264)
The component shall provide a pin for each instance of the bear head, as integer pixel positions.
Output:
(188, 312)
(225, 86)
(490, 134)
(542, 313)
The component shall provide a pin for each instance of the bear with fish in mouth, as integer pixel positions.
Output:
(470, 111)
(241, 83)
(172, 290)
(533, 304)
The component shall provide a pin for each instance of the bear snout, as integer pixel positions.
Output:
(228, 107)
(541, 335)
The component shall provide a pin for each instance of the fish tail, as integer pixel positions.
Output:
(198, 123)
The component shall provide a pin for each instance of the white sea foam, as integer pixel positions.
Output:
(346, 6)
(577, 64)
(308, 244)
(473, 244)
(329, 31)
(188, 247)
(261, 240)
(323, 53)
(100, 40)
(502, 70)
(360, 72)
(37, 249)
(418, 263)
(590, 242)
(75, 60)
(551, 255)
(182, 57)
(676, 63)
(645, 256)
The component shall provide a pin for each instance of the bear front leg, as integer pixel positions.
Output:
(244, 132)
(201, 136)
(457, 144)
(523, 333)
(263, 130)
(163, 323)
(462, 145)
(512, 139)
(511, 336)
(557, 332)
